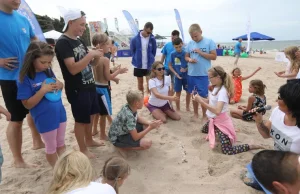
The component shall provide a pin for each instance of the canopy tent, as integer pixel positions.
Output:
(254, 36)
(52, 34)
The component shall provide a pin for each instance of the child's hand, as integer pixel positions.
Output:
(155, 124)
(178, 76)
(58, 84)
(259, 68)
(123, 70)
(96, 53)
(192, 61)
(183, 70)
(279, 74)
(198, 51)
(173, 98)
(47, 87)
(6, 113)
(197, 98)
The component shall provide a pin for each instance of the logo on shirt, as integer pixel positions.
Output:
(36, 84)
(177, 61)
(281, 141)
(24, 30)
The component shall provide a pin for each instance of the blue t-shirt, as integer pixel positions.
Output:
(16, 33)
(237, 48)
(167, 50)
(201, 67)
(47, 115)
(178, 62)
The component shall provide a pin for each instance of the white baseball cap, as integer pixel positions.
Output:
(69, 15)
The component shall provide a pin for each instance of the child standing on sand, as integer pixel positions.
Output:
(293, 67)
(258, 99)
(178, 66)
(102, 77)
(49, 116)
(237, 80)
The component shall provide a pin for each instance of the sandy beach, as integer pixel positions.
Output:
(180, 160)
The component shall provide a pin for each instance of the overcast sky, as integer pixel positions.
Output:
(220, 20)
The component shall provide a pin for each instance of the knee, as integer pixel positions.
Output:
(146, 144)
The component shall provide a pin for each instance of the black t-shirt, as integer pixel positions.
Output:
(66, 48)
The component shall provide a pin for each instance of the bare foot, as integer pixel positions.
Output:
(37, 146)
(89, 154)
(95, 132)
(94, 144)
(104, 137)
(204, 120)
(255, 147)
(188, 110)
(24, 165)
(195, 118)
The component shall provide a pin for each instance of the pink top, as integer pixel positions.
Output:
(224, 123)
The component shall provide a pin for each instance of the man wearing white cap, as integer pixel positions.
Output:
(75, 62)
(16, 35)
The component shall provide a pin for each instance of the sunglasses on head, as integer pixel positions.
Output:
(160, 68)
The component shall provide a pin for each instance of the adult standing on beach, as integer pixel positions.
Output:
(237, 50)
(16, 35)
(75, 62)
(166, 56)
(143, 49)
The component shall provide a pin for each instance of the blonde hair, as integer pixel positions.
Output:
(291, 52)
(72, 170)
(99, 38)
(194, 28)
(133, 96)
(115, 169)
(153, 74)
(226, 79)
(258, 86)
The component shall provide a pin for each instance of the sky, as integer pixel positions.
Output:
(220, 20)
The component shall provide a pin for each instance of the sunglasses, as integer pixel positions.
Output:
(160, 68)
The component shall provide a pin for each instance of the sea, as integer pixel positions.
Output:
(265, 45)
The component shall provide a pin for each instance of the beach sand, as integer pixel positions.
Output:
(180, 160)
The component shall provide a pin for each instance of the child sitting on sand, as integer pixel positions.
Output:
(127, 129)
(178, 66)
(73, 174)
(293, 67)
(237, 80)
(258, 99)
(8, 117)
(102, 77)
(49, 116)
(158, 103)
(220, 124)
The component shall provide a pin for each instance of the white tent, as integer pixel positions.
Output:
(52, 34)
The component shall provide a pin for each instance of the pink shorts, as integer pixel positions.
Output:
(163, 108)
(54, 139)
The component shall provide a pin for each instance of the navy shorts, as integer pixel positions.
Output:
(141, 72)
(200, 83)
(84, 103)
(15, 107)
(180, 84)
(126, 141)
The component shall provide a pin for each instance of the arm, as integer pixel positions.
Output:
(112, 76)
(162, 59)
(216, 110)
(251, 99)
(158, 95)
(264, 128)
(142, 121)
(291, 75)
(252, 74)
(137, 136)
(76, 67)
(212, 55)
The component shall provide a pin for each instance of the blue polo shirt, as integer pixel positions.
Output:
(201, 67)
(16, 33)
(167, 50)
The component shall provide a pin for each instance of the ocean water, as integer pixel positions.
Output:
(266, 45)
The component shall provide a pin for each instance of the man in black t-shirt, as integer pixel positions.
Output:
(75, 62)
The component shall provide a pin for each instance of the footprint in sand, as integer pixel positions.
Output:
(219, 165)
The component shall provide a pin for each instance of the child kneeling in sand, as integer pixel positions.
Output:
(127, 130)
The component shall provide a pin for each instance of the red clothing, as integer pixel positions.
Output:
(238, 87)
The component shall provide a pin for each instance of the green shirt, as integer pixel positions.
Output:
(123, 123)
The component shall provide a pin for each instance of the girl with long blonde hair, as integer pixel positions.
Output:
(220, 124)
